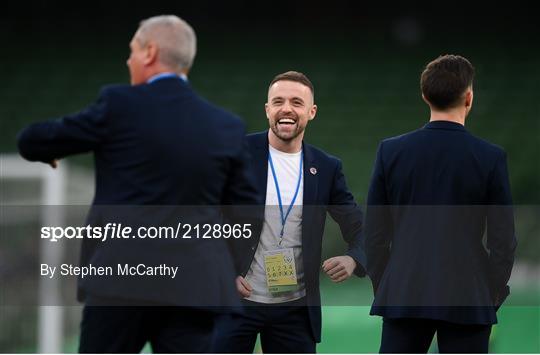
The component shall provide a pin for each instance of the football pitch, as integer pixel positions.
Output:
(350, 329)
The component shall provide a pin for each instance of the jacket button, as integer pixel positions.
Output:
(253, 248)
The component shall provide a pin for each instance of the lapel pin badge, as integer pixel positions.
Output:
(313, 170)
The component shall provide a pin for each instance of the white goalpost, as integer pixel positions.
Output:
(53, 192)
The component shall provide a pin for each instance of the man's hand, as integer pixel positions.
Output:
(243, 287)
(54, 163)
(339, 268)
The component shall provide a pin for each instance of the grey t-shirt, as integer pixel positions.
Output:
(287, 170)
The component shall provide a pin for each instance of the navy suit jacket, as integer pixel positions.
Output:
(433, 193)
(325, 191)
(156, 147)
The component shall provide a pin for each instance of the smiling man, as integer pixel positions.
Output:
(279, 268)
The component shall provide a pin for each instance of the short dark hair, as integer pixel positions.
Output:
(445, 79)
(294, 76)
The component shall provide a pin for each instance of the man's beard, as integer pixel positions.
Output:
(288, 136)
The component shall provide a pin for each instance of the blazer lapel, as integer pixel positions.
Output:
(311, 183)
(260, 165)
(311, 178)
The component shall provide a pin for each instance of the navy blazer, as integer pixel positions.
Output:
(160, 145)
(325, 190)
(433, 193)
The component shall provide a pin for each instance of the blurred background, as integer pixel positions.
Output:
(364, 59)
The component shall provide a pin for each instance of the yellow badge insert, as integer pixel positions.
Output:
(280, 270)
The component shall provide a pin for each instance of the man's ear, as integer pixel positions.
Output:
(151, 53)
(312, 112)
(266, 110)
(469, 96)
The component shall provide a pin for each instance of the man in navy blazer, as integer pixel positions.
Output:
(298, 185)
(157, 145)
(433, 193)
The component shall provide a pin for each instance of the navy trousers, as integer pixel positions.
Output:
(127, 328)
(283, 328)
(408, 335)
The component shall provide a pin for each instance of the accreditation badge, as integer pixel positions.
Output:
(280, 270)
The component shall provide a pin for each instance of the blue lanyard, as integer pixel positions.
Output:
(284, 217)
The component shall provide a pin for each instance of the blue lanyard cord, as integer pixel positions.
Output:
(284, 217)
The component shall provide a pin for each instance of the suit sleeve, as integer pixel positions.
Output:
(241, 188)
(240, 200)
(501, 239)
(378, 224)
(348, 215)
(78, 133)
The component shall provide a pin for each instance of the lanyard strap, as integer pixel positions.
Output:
(300, 173)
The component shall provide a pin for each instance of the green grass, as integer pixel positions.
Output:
(350, 329)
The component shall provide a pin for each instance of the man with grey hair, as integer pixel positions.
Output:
(155, 143)
(161, 44)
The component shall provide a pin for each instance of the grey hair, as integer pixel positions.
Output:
(173, 36)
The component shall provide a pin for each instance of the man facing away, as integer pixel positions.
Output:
(279, 269)
(433, 193)
(156, 143)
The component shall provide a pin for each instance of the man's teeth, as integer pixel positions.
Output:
(287, 121)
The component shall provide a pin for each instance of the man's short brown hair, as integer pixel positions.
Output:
(294, 76)
(445, 80)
